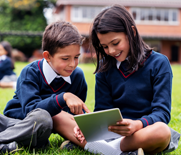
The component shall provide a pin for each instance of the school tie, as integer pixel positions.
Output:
(57, 83)
(124, 66)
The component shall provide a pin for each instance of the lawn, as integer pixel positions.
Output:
(56, 140)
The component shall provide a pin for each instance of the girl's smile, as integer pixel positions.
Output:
(118, 55)
(115, 44)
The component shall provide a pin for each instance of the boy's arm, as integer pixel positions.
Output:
(80, 86)
(81, 91)
(31, 97)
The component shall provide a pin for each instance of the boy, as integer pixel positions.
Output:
(45, 88)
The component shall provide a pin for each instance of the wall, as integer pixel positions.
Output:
(166, 48)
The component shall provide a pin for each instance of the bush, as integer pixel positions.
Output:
(14, 18)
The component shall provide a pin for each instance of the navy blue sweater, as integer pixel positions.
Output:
(34, 92)
(142, 95)
(6, 67)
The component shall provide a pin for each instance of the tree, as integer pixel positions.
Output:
(23, 15)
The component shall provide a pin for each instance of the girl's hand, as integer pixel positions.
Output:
(126, 127)
(78, 134)
(75, 104)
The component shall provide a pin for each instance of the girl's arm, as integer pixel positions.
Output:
(162, 89)
(161, 103)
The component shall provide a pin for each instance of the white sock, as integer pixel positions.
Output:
(116, 143)
(14, 85)
(101, 147)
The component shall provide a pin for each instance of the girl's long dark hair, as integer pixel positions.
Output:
(6, 45)
(117, 19)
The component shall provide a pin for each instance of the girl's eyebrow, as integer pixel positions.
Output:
(110, 41)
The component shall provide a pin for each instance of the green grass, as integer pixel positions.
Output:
(56, 140)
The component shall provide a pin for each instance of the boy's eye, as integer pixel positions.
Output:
(76, 57)
(64, 58)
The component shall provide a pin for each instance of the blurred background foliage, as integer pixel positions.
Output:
(23, 15)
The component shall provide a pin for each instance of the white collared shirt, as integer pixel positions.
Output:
(3, 57)
(50, 74)
(118, 63)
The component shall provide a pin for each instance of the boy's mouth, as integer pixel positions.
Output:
(69, 71)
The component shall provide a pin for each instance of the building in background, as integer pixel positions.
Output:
(158, 21)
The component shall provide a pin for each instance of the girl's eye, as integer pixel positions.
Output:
(105, 47)
(116, 44)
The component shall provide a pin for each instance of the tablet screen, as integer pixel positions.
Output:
(94, 125)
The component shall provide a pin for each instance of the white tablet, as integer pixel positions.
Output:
(94, 125)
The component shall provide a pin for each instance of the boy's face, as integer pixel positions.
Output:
(65, 60)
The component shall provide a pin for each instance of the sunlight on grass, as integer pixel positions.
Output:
(56, 140)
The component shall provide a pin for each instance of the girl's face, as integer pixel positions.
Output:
(115, 44)
(2, 51)
(65, 60)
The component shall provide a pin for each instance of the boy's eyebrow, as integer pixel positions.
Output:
(77, 54)
(70, 55)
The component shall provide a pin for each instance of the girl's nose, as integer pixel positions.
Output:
(111, 50)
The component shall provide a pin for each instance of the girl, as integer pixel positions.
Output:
(7, 76)
(135, 79)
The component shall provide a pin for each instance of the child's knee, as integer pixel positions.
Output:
(163, 132)
(42, 118)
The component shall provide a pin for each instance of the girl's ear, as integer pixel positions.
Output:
(134, 30)
(46, 55)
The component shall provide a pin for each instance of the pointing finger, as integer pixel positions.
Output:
(85, 108)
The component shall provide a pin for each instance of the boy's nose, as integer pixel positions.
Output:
(72, 63)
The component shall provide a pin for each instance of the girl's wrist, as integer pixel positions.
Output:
(139, 125)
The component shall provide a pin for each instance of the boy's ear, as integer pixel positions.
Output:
(134, 30)
(46, 55)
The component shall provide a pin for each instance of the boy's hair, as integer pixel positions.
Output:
(58, 35)
(117, 19)
(7, 46)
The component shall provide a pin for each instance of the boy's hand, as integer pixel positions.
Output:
(126, 127)
(75, 104)
(78, 134)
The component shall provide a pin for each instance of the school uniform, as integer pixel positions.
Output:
(143, 95)
(39, 87)
(6, 72)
